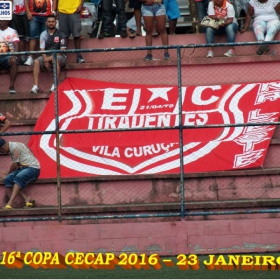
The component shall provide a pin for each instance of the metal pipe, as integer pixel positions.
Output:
(57, 135)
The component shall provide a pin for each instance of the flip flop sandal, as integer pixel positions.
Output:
(132, 36)
(30, 204)
(7, 207)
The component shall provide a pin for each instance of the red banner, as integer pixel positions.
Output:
(86, 104)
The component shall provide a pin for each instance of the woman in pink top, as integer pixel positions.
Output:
(266, 21)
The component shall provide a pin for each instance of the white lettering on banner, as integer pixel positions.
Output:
(147, 150)
(110, 97)
(133, 151)
(247, 158)
(147, 121)
(268, 91)
(253, 135)
(197, 95)
(106, 151)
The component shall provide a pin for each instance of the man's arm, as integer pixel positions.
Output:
(26, 5)
(6, 126)
(54, 5)
(79, 8)
(13, 167)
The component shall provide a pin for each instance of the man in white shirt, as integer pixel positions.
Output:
(25, 168)
(9, 42)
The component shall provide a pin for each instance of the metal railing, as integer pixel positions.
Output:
(184, 177)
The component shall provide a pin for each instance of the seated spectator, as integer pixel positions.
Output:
(9, 43)
(21, 25)
(173, 13)
(266, 21)
(222, 11)
(50, 39)
(201, 9)
(25, 168)
(155, 10)
(37, 11)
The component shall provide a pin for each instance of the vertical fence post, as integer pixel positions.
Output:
(179, 64)
(55, 80)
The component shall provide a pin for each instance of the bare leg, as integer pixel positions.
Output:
(138, 15)
(14, 194)
(172, 26)
(32, 46)
(77, 43)
(161, 26)
(149, 23)
(36, 72)
(13, 71)
(24, 196)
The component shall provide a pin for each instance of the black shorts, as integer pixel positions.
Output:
(135, 4)
(21, 24)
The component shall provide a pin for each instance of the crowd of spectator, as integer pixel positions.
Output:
(36, 20)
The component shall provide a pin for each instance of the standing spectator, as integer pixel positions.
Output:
(201, 9)
(4, 124)
(21, 25)
(70, 22)
(25, 168)
(222, 11)
(9, 43)
(155, 10)
(50, 39)
(173, 13)
(136, 5)
(107, 15)
(37, 11)
(266, 21)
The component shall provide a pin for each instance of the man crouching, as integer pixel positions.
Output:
(25, 169)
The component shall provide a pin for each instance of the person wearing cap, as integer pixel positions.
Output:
(4, 123)
(25, 168)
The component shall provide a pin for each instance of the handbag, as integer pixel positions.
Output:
(209, 22)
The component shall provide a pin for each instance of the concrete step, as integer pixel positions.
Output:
(253, 188)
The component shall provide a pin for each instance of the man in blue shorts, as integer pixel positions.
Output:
(25, 169)
(9, 43)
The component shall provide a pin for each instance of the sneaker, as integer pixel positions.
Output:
(80, 59)
(148, 57)
(35, 89)
(210, 54)
(123, 34)
(29, 61)
(12, 90)
(166, 56)
(103, 34)
(229, 53)
(52, 88)
(262, 49)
